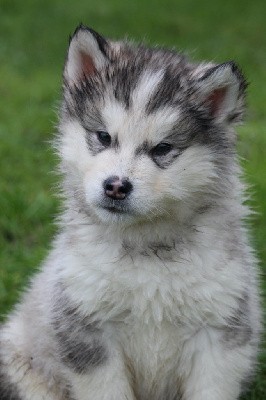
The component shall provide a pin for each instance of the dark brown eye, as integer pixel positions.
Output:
(161, 149)
(104, 138)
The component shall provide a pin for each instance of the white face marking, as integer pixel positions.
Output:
(147, 85)
(133, 127)
(114, 116)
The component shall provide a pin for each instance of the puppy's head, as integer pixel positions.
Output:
(143, 130)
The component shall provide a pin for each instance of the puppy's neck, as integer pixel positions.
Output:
(160, 232)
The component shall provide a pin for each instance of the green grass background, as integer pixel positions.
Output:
(33, 40)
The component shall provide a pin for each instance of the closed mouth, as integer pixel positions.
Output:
(115, 210)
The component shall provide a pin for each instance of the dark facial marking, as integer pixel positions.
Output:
(125, 81)
(126, 74)
(166, 92)
(238, 331)
(144, 148)
(79, 340)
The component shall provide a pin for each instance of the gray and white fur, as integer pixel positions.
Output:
(150, 290)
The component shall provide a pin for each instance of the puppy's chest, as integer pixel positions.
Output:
(177, 285)
(149, 348)
(166, 286)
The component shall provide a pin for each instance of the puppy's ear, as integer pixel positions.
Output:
(87, 54)
(221, 91)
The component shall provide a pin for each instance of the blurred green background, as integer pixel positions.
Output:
(33, 40)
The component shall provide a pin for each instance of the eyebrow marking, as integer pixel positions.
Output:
(143, 148)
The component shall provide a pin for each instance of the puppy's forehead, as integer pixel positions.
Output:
(146, 87)
(135, 122)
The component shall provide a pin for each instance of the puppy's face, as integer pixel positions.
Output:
(142, 130)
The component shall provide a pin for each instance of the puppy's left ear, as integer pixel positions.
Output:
(86, 55)
(221, 90)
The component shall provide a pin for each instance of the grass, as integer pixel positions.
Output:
(32, 50)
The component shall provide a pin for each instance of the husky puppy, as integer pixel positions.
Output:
(150, 291)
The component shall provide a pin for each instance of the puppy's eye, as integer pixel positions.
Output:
(161, 149)
(104, 138)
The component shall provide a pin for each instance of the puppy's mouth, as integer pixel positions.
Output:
(116, 207)
(115, 210)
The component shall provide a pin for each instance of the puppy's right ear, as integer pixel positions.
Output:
(87, 54)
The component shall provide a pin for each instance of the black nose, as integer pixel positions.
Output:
(116, 188)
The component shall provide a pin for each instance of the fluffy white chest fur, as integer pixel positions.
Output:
(162, 302)
(150, 290)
